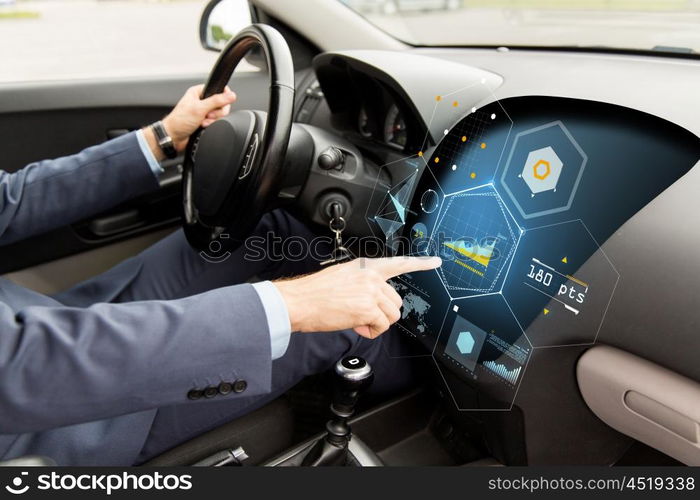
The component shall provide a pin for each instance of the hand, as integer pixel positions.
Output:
(189, 114)
(350, 295)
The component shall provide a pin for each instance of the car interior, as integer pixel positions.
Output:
(560, 187)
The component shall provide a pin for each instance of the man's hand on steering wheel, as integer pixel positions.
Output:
(190, 113)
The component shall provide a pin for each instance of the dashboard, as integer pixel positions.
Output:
(560, 222)
(516, 199)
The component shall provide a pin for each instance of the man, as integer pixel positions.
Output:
(165, 345)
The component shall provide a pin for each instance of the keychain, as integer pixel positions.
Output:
(337, 225)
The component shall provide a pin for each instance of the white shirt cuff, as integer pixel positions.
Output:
(277, 317)
(148, 154)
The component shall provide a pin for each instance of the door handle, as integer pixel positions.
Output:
(116, 132)
(117, 223)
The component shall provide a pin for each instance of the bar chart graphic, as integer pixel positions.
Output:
(476, 237)
(510, 376)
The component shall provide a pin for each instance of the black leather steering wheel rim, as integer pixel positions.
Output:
(249, 197)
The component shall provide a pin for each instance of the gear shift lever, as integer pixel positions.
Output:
(352, 376)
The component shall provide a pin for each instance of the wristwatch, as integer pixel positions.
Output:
(165, 142)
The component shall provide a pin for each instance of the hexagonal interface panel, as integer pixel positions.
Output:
(481, 342)
(543, 170)
(560, 284)
(476, 236)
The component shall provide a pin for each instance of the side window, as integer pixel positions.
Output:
(75, 39)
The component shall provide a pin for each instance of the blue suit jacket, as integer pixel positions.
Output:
(79, 384)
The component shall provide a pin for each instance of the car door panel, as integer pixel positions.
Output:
(49, 120)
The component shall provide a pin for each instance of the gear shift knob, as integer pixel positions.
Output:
(353, 376)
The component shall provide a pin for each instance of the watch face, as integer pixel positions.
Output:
(165, 142)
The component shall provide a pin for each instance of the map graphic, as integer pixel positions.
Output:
(414, 311)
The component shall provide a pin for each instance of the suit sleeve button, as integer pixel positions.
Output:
(225, 388)
(210, 392)
(195, 394)
(240, 386)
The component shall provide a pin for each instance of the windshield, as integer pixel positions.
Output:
(663, 25)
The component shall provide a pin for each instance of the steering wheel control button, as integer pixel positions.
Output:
(240, 386)
(249, 158)
(210, 392)
(225, 388)
(195, 394)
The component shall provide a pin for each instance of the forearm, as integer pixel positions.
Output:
(61, 366)
(53, 193)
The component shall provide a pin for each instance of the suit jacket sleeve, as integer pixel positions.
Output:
(53, 193)
(62, 365)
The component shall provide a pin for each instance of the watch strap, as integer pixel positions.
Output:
(165, 142)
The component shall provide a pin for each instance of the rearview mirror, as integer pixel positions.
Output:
(221, 20)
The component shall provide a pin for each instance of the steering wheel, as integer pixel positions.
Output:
(232, 169)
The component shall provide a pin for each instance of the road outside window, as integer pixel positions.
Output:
(658, 25)
(77, 39)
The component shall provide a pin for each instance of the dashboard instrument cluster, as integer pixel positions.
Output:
(370, 109)
(394, 130)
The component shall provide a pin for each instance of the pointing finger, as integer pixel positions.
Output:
(393, 266)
